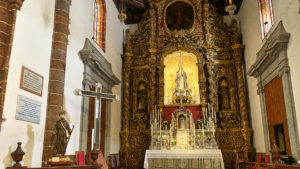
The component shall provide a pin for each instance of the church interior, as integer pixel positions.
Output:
(154, 84)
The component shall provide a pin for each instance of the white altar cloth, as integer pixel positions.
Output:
(184, 154)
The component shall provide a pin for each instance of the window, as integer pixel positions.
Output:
(266, 16)
(100, 23)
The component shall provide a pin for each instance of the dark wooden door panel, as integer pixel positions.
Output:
(276, 112)
(91, 120)
(103, 125)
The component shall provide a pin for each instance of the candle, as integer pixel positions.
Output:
(202, 129)
(230, 2)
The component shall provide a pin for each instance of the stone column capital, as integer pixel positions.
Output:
(15, 4)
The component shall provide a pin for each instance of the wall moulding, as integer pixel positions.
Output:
(272, 61)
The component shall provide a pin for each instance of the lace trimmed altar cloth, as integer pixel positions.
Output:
(184, 159)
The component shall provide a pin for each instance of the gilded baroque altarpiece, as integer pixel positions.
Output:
(189, 26)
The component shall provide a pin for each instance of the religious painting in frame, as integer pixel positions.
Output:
(179, 16)
(31, 81)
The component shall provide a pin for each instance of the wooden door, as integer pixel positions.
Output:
(276, 114)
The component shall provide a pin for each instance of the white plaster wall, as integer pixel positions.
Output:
(114, 49)
(287, 11)
(81, 27)
(31, 48)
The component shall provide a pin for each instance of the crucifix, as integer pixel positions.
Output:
(96, 132)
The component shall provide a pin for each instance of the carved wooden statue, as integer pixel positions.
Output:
(62, 135)
(142, 97)
(223, 95)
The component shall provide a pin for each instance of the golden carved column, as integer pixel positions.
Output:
(152, 56)
(126, 105)
(152, 79)
(203, 88)
(239, 66)
(161, 89)
(212, 95)
(126, 98)
(237, 49)
(210, 37)
(246, 131)
(237, 53)
(210, 24)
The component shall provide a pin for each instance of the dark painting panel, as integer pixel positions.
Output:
(180, 15)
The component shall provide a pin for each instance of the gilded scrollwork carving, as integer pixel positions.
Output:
(220, 55)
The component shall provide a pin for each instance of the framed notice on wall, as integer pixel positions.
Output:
(31, 81)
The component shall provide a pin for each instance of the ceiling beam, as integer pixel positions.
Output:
(136, 3)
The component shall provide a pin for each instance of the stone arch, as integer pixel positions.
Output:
(100, 23)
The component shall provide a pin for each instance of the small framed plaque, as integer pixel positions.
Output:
(31, 81)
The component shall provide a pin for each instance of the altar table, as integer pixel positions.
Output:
(184, 159)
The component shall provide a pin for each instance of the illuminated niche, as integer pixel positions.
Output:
(181, 79)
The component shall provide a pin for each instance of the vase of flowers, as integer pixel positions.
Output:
(165, 124)
(173, 141)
